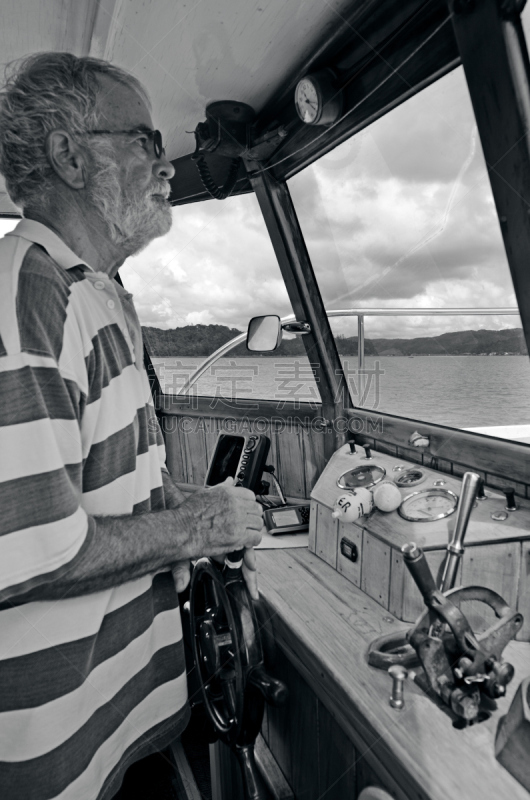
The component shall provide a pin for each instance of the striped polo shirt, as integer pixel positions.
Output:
(88, 684)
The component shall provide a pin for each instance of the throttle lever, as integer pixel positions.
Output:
(455, 549)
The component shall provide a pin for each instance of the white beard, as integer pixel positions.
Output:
(132, 220)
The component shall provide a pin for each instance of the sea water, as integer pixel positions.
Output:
(459, 391)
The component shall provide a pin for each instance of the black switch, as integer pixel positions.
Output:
(349, 549)
(352, 447)
(481, 494)
(368, 451)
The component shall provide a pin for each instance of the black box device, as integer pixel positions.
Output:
(239, 456)
(287, 519)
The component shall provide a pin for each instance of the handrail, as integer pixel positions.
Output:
(360, 313)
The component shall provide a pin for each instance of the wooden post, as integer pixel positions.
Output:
(493, 51)
(289, 245)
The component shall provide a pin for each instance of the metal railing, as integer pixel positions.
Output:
(360, 313)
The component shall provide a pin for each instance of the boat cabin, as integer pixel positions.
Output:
(342, 164)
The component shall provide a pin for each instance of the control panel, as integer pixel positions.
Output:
(367, 504)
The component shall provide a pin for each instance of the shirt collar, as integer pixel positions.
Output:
(55, 247)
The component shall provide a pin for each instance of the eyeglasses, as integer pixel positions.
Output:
(154, 136)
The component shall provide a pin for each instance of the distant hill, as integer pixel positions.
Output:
(201, 340)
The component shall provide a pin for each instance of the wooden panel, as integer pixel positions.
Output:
(350, 569)
(372, 776)
(211, 435)
(497, 567)
(313, 455)
(409, 454)
(375, 569)
(327, 532)
(175, 459)
(290, 463)
(278, 721)
(524, 592)
(498, 482)
(303, 733)
(313, 522)
(337, 759)
(385, 447)
(196, 455)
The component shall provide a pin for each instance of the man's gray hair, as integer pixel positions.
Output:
(42, 93)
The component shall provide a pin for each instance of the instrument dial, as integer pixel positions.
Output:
(361, 476)
(307, 101)
(317, 99)
(411, 477)
(428, 505)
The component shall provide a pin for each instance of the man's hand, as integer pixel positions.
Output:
(226, 518)
(220, 520)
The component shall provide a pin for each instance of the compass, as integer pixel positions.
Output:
(361, 477)
(428, 505)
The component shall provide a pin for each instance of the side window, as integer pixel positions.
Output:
(401, 226)
(198, 287)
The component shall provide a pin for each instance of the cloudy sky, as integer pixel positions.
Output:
(401, 215)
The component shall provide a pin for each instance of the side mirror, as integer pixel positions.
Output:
(264, 334)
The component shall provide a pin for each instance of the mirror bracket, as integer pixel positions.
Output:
(297, 327)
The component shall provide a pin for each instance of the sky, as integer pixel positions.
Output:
(401, 215)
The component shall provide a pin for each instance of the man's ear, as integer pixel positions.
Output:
(66, 159)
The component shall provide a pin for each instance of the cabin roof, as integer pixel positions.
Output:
(190, 53)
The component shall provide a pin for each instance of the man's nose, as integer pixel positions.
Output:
(163, 169)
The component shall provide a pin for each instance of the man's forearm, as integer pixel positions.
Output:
(209, 522)
(121, 549)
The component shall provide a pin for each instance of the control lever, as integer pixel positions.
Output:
(368, 451)
(394, 648)
(455, 548)
(459, 665)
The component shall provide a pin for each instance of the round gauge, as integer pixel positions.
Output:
(361, 476)
(307, 101)
(428, 505)
(317, 100)
(411, 477)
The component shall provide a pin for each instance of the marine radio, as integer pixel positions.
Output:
(241, 457)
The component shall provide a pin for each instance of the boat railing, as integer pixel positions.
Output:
(361, 314)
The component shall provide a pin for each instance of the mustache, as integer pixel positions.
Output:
(162, 189)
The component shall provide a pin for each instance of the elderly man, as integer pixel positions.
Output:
(91, 660)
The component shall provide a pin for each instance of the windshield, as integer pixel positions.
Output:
(401, 216)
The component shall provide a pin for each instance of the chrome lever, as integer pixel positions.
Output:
(455, 548)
